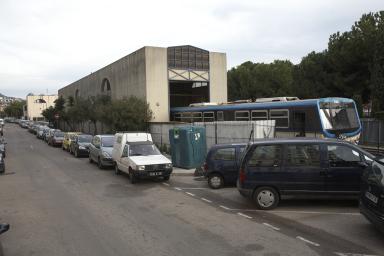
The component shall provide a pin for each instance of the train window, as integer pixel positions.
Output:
(191, 117)
(281, 116)
(259, 115)
(220, 116)
(177, 117)
(242, 115)
(209, 116)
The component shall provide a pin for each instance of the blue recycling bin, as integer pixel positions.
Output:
(188, 146)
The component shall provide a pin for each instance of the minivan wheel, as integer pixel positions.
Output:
(215, 181)
(266, 198)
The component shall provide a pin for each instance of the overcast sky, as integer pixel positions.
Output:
(47, 44)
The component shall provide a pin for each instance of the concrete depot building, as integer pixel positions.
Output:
(36, 104)
(165, 77)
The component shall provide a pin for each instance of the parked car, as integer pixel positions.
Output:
(4, 227)
(221, 166)
(276, 169)
(2, 147)
(80, 145)
(56, 139)
(1, 122)
(2, 164)
(50, 134)
(136, 155)
(68, 138)
(372, 194)
(100, 150)
(40, 131)
(45, 133)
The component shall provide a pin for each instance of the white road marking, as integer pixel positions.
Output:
(271, 226)
(206, 200)
(224, 207)
(352, 254)
(179, 189)
(189, 194)
(166, 184)
(243, 215)
(307, 241)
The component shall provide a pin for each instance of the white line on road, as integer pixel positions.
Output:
(352, 254)
(307, 241)
(166, 184)
(179, 189)
(206, 200)
(243, 215)
(189, 194)
(271, 226)
(224, 207)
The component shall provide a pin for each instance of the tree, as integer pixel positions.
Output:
(130, 114)
(49, 114)
(14, 109)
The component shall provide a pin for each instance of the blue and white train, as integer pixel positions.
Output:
(324, 117)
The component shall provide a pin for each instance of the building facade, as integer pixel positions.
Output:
(36, 104)
(164, 77)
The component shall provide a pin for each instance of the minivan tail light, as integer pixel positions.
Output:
(205, 166)
(242, 175)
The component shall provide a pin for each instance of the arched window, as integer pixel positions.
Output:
(105, 85)
(40, 101)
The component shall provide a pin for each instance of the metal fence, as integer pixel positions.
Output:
(372, 135)
(219, 132)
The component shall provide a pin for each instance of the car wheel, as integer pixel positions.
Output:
(117, 171)
(167, 177)
(132, 177)
(266, 198)
(215, 181)
(99, 164)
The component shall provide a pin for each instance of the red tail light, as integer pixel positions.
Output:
(205, 167)
(242, 176)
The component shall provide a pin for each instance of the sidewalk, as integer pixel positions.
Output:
(183, 172)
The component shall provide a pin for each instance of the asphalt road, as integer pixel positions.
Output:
(59, 205)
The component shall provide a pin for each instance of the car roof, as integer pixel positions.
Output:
(297, 140)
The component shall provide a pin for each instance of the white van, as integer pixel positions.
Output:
(136, 155)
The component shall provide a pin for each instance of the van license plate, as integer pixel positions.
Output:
(371, 197)
(155, 173)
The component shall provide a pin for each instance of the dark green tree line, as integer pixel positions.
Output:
(352, 66)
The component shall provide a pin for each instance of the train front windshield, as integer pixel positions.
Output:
(339, 117)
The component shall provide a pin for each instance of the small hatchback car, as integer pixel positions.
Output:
(372, 194)
(222, 164)
(276, 169)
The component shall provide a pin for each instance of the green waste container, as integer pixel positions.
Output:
(188, 146)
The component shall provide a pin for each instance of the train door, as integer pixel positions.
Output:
(299, 123)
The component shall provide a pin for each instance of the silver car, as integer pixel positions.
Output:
(100, 150)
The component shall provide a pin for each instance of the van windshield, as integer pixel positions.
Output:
(143, 150)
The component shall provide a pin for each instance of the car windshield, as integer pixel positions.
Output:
(107, 141)
(59, 134)
(143, 150)
(85, 139)
(339, 116)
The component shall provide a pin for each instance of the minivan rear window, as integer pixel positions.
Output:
(303, 155)
(266, 156)
(227, 154)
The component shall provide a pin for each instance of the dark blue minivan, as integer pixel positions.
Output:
(222, 164)
(275, 169)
